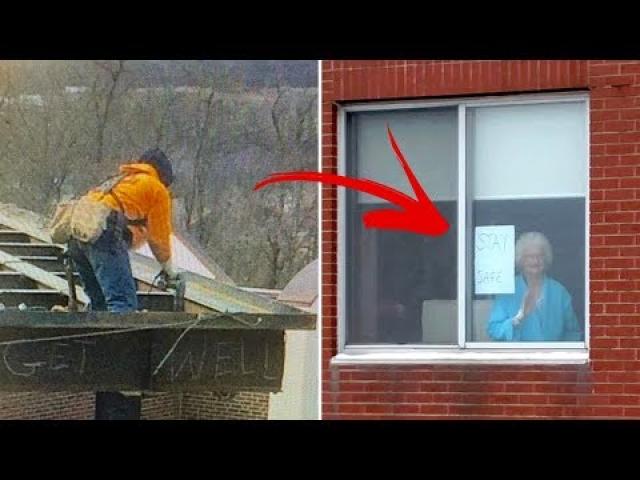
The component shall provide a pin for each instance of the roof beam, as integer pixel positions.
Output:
(40, 276)
(153, 351)
(157, 320)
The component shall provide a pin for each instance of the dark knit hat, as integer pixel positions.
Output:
(157, 158)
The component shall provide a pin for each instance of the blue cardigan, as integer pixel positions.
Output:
(552, 320)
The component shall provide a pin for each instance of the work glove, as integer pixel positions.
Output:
(167, 268)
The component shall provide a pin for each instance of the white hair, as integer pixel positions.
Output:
(529, 239)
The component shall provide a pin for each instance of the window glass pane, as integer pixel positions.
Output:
(526, 241)
(529, 150)
(402, 287)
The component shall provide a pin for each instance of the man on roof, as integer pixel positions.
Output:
(141, 211)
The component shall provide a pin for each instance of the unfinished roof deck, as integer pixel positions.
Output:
(228, 339)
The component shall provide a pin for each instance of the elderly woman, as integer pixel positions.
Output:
(540, 310)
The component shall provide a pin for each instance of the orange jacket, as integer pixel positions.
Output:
(143, 195)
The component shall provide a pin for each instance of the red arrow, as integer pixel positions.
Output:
(418, 216)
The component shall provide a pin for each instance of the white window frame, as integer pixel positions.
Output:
(465, 352)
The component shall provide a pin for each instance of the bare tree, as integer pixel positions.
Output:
(64, 126)
(103, 98)
(211, 134)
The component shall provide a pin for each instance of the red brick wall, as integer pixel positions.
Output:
(160, 406)
(155, 406)
(609, 386)
(47, 406)
(214, 406)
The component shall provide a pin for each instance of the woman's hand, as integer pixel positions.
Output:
(529, 302)
(518, 318)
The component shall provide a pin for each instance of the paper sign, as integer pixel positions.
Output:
(494, 259)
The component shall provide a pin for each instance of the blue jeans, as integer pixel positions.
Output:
(105, 270)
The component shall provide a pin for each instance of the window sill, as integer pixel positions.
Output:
(556, 357)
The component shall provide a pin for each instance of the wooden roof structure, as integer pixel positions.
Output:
(227, 339)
